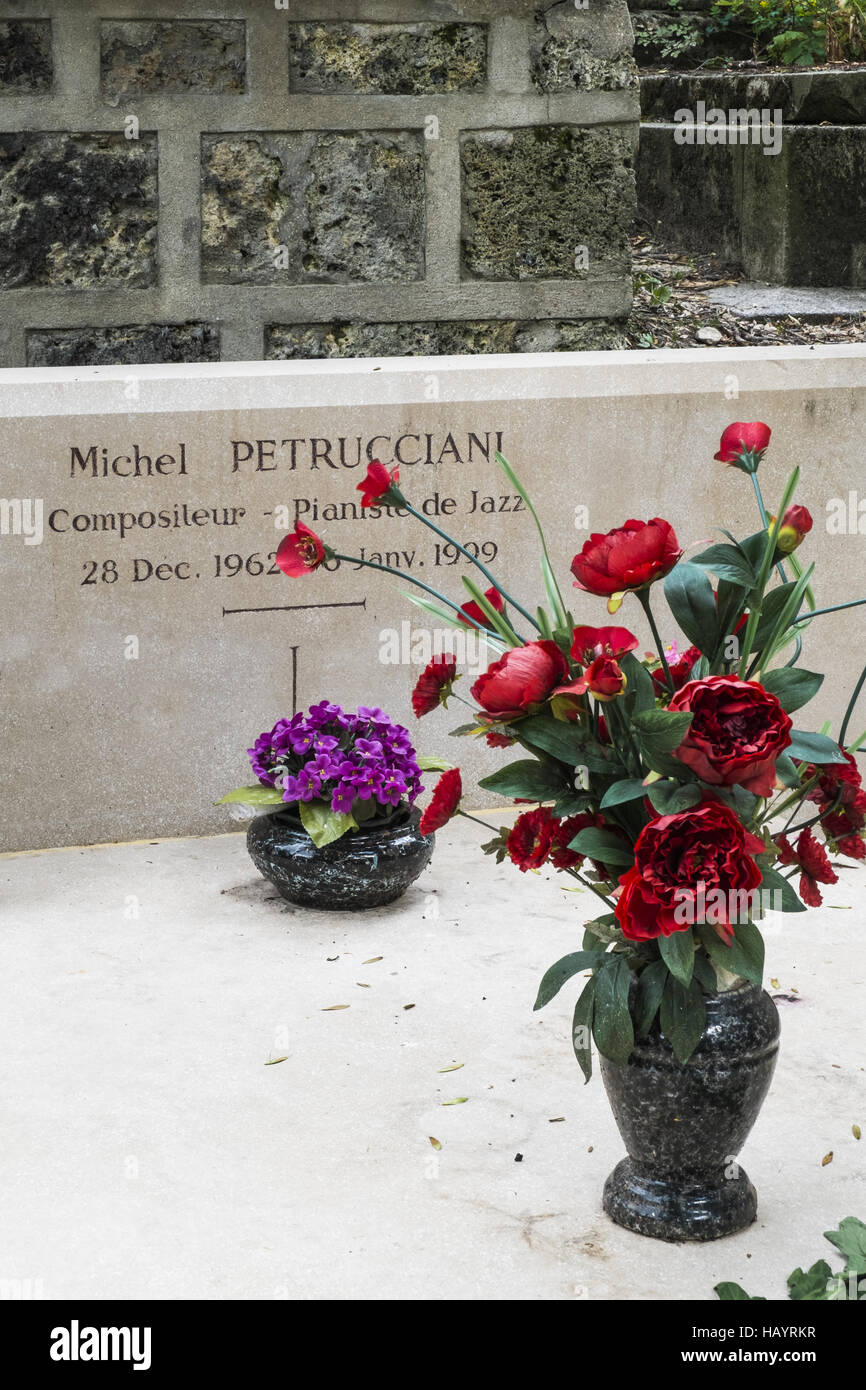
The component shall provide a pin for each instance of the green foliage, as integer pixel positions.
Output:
(797, 32)
(819, 1284)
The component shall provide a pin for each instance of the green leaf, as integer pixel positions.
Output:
(640, 692)
(602, 845)
(550, 584)
(810, 1286)
(678, 953)
(495, 620)
(448, 615)
(581, 1028)
(528, 779)
(743, 956)
(814, 748)
(650, 987)
(253, 796)
(682, 1016)
(568, 742)
(669, 798)
(728, 562)
(784, 898)
(786, 771)
(322, 824)
(692, 602)
(612, 1027)
(601, 932)
(739, 800)
(571, 804)
(629, 789)
(705, 974)
(733, 1293)
(563, 970)
(429, 763)
(851, 1240)
(791, 686)
(771, 606)
(661, 730)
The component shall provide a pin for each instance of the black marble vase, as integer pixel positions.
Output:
(367, 867)
(684, 1123)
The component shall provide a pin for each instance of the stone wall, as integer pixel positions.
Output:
(192, 181)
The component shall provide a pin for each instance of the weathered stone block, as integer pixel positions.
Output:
(310, 206)
(690, 192)
(589, 49)
(323, 340)
(77, 211)
(176, 55)
(130, 344)
(804, 98)
(387, 59)
(547, 202)
(25, 55)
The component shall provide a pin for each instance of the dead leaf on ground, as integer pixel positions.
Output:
(274, 1060)
(455, 1066)
(434, 1142)
(828, 1158)
(458, 1100)
(333, 1007)
(372, 960)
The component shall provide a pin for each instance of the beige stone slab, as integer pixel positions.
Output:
(128, 702)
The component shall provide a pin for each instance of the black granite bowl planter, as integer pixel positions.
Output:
(684, 1123)
(365, 868)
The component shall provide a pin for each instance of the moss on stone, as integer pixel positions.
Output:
(25, 55)
(438, 338)
(387, 59)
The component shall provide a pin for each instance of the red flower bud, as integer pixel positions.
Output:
(378, 484)
(740, 438)
(301, 552)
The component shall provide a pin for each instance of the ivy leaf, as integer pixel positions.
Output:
(810, 1286)
(851, 1240)
(734, 1293)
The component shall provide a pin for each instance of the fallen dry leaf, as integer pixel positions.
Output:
(855, 1130)
(434, 1142)
(775, 984)
(458, 1100)
(274, 1060)
(331, 1008)
(408, 1006)
(455, 1066)
(372, 960)
(828, 1158)
(361, 985)
(557, 1120)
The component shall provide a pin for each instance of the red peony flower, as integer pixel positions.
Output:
(378, 484)
(530, 838)
(589, 643)
(300, 552)
(444, 802)
(811, 857)
(692, 867)
(434, 684)
(627, 558)
(522, 678)
(737, 733)
(742, 438)
(680, 671)
(472, 612)
(796, 523)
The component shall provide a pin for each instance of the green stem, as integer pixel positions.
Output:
(850, 710)
(643, 598)
(764, 574)
(835, 608)
(466, 816)
(473, 560)
(401, 574)
(764, 520)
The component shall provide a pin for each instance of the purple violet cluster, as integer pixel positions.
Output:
(330, 755)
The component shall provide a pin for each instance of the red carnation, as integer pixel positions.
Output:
(737, 733)
(378, 484)
(300, 552)
(472, 612)
(444, 802)
(627, 558)
(434, 685)
(811, 857)
(529, 840)
(698, 865)
(524, 677)
(740, 438)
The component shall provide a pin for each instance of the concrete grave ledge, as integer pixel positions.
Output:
(150, 1152)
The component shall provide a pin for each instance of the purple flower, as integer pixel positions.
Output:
(305, 787)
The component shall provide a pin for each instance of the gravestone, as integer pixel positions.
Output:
(148, 637)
